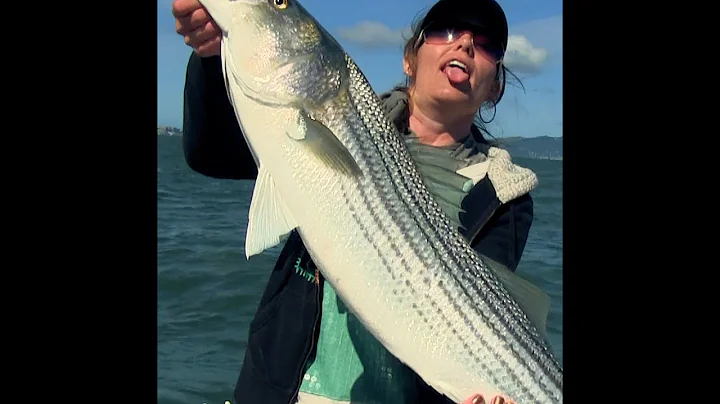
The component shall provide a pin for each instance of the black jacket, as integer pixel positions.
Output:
(283, 332)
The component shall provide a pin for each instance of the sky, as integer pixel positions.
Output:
(371, 31)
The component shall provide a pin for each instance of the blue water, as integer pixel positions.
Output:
(208, 291)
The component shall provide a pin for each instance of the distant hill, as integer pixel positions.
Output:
(542, 147)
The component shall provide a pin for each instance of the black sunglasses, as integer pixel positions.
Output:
(439, 35)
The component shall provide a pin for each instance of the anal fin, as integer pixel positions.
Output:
(269, 220)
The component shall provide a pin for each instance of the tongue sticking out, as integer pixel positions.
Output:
(456, 75)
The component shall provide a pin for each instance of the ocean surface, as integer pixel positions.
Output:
(208, 291)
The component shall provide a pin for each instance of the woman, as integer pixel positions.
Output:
(311, 349)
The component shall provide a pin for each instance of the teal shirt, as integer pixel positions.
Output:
(351, 365)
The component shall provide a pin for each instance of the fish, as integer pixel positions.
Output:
(332, 167)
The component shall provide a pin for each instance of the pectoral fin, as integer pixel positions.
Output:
(533, 301)
(270, 220)
(322, 143)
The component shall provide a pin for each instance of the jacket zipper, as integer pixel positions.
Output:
(294, 397)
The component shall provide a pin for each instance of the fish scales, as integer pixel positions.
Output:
(380, 239)
(444, 229)
(469, 276)
(411, 255)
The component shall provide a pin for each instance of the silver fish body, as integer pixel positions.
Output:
(333, 167)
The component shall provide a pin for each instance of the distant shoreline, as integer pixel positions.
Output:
(535, 148)
(169, 131)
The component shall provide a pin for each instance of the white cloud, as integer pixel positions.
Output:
(373, 34)
(530, 45)
(522, 56)
(545, 33)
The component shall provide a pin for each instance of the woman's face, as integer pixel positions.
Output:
(440, 80)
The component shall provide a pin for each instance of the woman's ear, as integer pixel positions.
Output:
(406, 67)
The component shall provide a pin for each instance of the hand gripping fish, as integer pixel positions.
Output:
(334, 168)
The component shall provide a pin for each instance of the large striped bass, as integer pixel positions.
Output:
(332, 166)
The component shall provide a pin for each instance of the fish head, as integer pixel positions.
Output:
(281, 55)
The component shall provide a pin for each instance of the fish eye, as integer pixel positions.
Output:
(279, 4)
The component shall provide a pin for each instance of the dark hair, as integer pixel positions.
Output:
(410, 53)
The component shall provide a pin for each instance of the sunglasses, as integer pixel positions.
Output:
(481, 42)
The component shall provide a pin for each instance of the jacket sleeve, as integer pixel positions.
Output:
(213, 143)
(504, 236)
